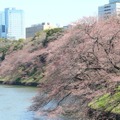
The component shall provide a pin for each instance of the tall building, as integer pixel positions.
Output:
(2, 25)
(110, 9)
(14, 23)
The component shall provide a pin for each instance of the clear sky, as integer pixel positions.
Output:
(54, 11)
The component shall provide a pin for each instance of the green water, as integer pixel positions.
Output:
(14, 102)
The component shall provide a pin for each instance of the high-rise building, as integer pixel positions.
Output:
(110, 9)
(14, 23)
(2, 25)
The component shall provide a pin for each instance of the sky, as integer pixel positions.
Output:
(60, 12)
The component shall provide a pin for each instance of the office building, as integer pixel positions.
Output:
(14, 23)
(2, 25)
(110, 9)
(30, 31)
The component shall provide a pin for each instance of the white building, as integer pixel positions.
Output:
(14, 23)
(110, 9)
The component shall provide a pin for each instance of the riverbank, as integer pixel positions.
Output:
(102, 115)
(18, 83)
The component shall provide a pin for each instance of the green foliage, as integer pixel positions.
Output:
(3, 56)
(18, 45)
(100, 103)
(21, 40)
(52, 34)
(18, 79)
(32, 72)
(38, 33)
(108, 102)
(4, 47)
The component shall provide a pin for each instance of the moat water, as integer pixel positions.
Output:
(15, 101)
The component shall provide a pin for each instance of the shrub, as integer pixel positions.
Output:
(51, 35)
(18, 44)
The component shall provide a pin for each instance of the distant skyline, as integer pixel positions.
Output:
(60, 12)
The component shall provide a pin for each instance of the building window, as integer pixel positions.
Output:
(3, 28)
(107, 10)
(107, 7)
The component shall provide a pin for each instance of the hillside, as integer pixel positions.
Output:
(77, 69)
(23, 61)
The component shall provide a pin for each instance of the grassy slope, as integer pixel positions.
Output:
(109, 102)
